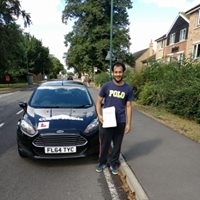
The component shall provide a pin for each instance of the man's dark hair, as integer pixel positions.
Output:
(118, 63)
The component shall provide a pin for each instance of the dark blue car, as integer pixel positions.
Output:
(59, 121)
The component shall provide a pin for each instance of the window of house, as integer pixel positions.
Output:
(161, 44)
(169, 59)
(182, 34)
(196, 51)
(180, 57)
(198, 19)
(172, 38)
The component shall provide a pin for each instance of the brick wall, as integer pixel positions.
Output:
(193, 34)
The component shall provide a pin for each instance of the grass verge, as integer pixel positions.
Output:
(11, 86)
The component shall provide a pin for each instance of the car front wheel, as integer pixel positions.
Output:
(20, 151)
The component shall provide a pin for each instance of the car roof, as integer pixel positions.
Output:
(62, 83)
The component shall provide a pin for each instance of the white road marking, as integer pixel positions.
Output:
(1, 124)
(7, 94)
(111, 186)
(19, 112)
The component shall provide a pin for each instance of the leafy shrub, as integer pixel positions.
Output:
(153, 94)
(186, 102)
(101, 78)
(173, 86)
(128, 76)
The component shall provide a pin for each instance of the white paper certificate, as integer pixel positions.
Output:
(109, 117)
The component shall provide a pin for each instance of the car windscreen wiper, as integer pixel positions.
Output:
(51, 106)
(82, 106)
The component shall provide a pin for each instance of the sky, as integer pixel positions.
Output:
(149, 20)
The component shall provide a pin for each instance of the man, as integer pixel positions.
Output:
(119, 94)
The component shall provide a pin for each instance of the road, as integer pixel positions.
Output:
(70, 179)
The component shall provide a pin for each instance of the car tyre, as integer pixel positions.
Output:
(21, 153)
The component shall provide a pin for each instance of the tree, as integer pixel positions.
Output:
(37, 58)
(10, 50)
(36, 55)
(55, 67)
(20, 52)
(10, 11)
(11, 35)
(88, 42)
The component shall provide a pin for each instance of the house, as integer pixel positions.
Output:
(173, 45)
(193, 42)
(176, 45)
(181, 41)
(183, 38)
(142, 56)
(161, 44)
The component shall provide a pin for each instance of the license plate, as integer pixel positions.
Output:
(54, 150)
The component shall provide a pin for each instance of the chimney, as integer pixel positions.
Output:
(151, 51)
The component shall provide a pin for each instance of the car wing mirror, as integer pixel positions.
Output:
(23, 105)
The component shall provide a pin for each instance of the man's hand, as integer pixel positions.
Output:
(127, 129)
(99, 109)
(100, 117)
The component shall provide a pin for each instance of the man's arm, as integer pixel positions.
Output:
(99, 108)
(128, 117)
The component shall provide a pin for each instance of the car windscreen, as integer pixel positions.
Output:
(61, 97)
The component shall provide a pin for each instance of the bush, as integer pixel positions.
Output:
(152, 94)
(172, 86)
(186, 102)
(101, 78)
(128, 76)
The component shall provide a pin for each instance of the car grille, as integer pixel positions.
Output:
(59, 140)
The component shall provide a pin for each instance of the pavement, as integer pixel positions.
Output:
(157, 162)
(160, 163)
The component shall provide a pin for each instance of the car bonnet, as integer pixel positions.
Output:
(60, 118)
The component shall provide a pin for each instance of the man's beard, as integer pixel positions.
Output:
(118, 81)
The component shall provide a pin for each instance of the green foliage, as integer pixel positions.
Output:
(153, 94)
(185, 102)
(10, 11)
(172, 86)
(36, 56)
(101, 78)
(128, 76)
(54, 67)
(21, 53)
(89, 40)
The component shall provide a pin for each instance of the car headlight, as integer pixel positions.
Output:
(92, 126)
(27, 129)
